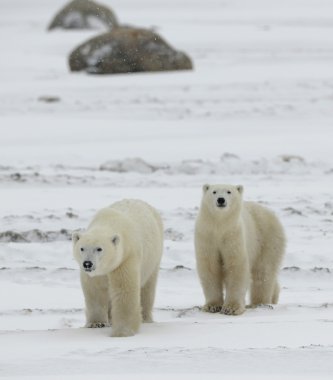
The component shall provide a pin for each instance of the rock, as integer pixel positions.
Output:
(34, 235)
(291, 158)
(171, 234)
(49, 99)
(125, 50)
(84, 14)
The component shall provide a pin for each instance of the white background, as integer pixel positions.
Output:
(256, 110)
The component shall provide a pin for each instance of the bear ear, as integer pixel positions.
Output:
(115, 240)
(76, 236)
(240, 189)
(205, 188)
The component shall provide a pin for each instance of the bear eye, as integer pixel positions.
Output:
(99, 249)
(229, 192)
(214, 192)
(82, 249)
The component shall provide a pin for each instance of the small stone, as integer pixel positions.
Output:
(49, 99)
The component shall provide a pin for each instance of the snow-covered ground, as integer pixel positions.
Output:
(257, 110)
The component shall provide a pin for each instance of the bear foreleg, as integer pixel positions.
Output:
(236, 284)
(264, 288)
(96, 295)
(209, 269)
(125, 299)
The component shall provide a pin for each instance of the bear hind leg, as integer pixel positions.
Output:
(276, 294)
(264, 288)
(148, 297)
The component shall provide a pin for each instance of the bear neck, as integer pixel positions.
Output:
(228, 219)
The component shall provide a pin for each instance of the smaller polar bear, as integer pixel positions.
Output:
(119, 257)
(238, 245)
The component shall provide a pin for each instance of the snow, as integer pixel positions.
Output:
(256, 110)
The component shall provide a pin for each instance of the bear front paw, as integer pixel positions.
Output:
(123, 332)
(232, 309)
(147, 319)
(96, 325)
(212, 308)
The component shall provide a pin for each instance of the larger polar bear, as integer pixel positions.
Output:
(239, 245)
(119, 256)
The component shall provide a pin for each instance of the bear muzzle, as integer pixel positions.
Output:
(221, 202)
(88, 266)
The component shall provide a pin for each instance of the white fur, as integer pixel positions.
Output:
(238, 246)
(124, 244)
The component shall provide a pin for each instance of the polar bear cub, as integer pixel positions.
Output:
(119, 256)
(239, 245)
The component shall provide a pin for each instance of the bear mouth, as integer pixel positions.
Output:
(221, 206)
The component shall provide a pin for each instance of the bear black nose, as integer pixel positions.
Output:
(87, 264)
(220, 201)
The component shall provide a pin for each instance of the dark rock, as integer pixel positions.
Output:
(71, 215)
(321, 270)
(171, 234)
(17, 177)
(34, 235)
(84, 14)
(291, 269)
(291, 158)
(180, 267)
(12, 236)
(49, 99)
(125, 50)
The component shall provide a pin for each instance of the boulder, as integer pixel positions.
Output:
(84, 14)
(126, 50)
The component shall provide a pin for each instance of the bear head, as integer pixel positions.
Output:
(97, 252)
(222, 200)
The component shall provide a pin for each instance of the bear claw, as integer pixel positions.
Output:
(212, 308)
(94, 325)
(232, 310)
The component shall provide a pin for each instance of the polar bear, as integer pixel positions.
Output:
(119, 256)
(239, 245)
